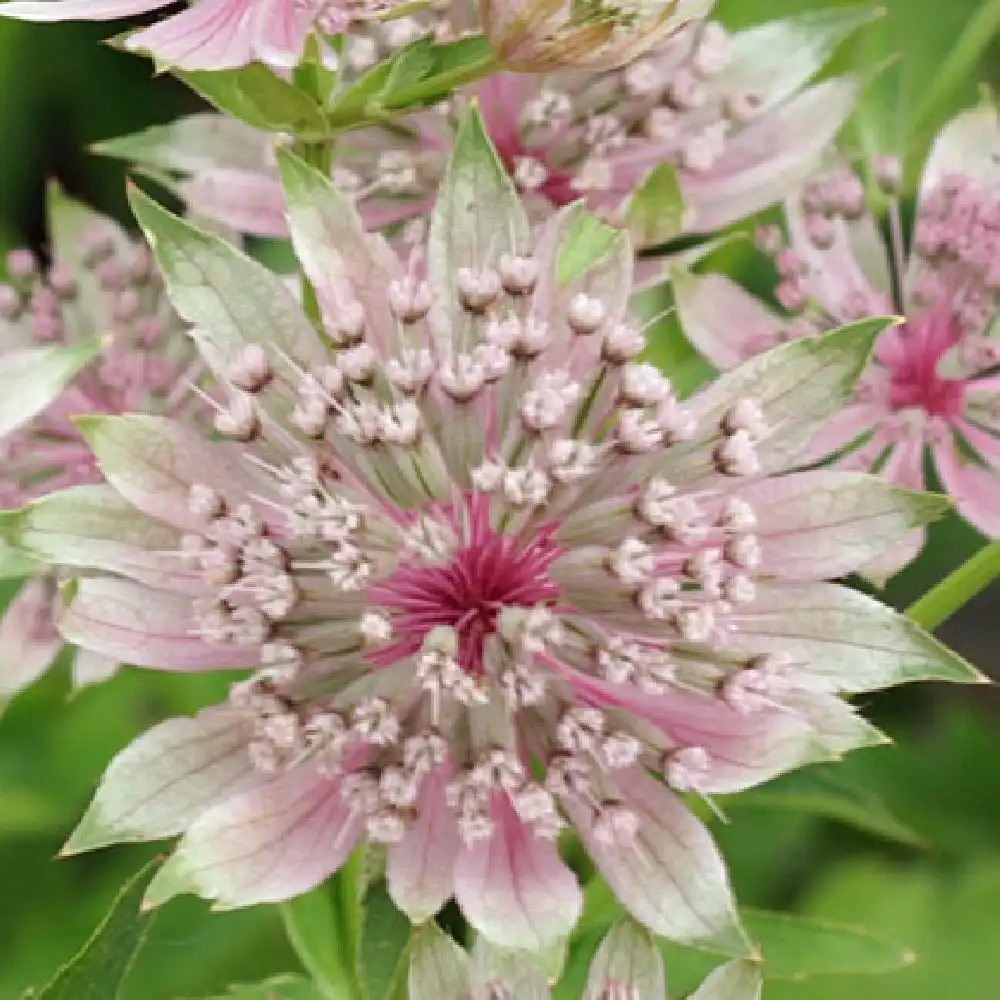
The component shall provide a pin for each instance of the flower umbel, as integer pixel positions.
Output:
(696, 102)
(493, 579)
(91, 334)
(933, 384)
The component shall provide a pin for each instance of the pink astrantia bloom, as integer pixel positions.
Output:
(737, 137)
(92, 334)
(492, 579)
(934, 383)
(214, 34)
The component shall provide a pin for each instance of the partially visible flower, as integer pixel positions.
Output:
(538, 36)
(492, 577)
(215, 34)
(933, 385)
(738, 139)
(101, 286)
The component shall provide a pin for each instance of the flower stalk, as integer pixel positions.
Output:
(957, 589)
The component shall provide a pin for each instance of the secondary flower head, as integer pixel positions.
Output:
(737, 138)
(493, 579)
(537, 36)
(215, 34)
(933, 384)
(92, 333)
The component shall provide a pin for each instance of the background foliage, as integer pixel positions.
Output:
(918, 863)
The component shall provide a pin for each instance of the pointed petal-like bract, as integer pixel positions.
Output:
(439, 969)
(153, 462)
(796, 386)
(732, 981)
(345, 264)
(506, 973)
(770, 156)
(131, 623)
(672, 879)
(159, 784)
(419, 868)
(627, 963)
(78, 10)
(29, 642)
(824, 524)
(720, 318)
(32, 377)
(228, 297)
(264, 845)
(94, 527)
(854, 642)
(514, 888)
(478, 218)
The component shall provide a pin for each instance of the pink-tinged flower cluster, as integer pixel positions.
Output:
(738, 139)
(492, 578)
(215, 34)
(101, 307)
(537, 36)
(933, 385)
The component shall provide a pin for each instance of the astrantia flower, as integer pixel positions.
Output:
(91, 334)
(492, 578)
(933, 385)
(738, 137)
(537, 36)
(215, 34)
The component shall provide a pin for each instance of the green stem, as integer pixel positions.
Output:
(957, 589)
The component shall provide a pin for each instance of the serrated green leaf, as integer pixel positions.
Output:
(587, 241)
(257, 96)
(656, 213)
(820, 791)
(98, 971)
(385, 938)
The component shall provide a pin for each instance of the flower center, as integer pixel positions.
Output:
(488, 572)
(913, 357)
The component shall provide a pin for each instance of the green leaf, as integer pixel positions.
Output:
(385, 939)
(257, 96)
(668, 348)
(587, 241)
(98, 971)
(963, 56)
(277, 988)
(418, 75)
(229, 298)
(324, 928)
(798, 947)
(32, 377)
(819, 791)
(656, 213)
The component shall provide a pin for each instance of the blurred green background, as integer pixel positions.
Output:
(938, 894)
